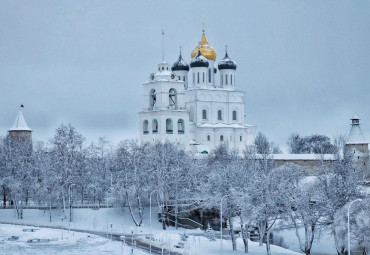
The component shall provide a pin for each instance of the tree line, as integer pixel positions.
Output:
(255, 190)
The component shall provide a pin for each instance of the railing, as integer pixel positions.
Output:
(46, 207)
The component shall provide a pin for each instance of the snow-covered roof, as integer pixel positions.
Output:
(222, 125)
(304, 156)
(355, 116)
(19, 123)
(355, 135)
(193, 142)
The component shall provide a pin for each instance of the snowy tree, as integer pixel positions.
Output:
(340, 182)
(67, 157)
(359, 227)
(308, 209)
(18, 170)
(318, 144)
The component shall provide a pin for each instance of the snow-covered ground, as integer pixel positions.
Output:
(60, 242)
(120, 223)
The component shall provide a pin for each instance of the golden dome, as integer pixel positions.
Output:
(207, 50)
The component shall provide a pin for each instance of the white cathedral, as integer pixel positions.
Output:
(192, 109)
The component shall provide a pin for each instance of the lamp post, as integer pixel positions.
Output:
(349, 234)
(132, 241)
(107, 207)
(70, 206)
(150, 221)
(221, 248)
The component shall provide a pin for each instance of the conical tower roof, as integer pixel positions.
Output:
(355, 135)
(19, 123)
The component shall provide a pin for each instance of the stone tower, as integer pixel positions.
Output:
(20, 130)
(358, 146)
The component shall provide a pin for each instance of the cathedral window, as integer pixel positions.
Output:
(155, 126)
(180, 126)
(183, 78)
(226, 79)
(169, 126)
(145, 127)
(204, 114)
(198, 79)
(231, 79)
(241, 138)
(152, 98)
(204, 78)
(172, 96)
(221, 138)
(219, 115)
(234, 115)
(209, 75)
(208, 138)
(162, 68)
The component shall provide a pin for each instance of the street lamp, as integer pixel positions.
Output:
(150, 221)
(349, 234)
(107, 207)
(221, 248)
(132, 241)
(70, 206)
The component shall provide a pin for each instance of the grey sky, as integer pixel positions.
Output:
(304, 65)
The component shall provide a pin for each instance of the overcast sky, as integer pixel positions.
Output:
(304, 65)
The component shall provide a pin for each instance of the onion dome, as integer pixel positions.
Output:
(207, 50)
(227, 63)
(199, 61)
(180, 65)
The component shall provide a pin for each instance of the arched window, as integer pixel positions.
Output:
(208, 138)
(183, 78)
(155, 126)
(169, 126)
(209, 75)
(204, 114)
(198, 77)
(226, 79)
(221, 138)
(234, 115)
(172, 96)
(231, 79)
(219, 115)
(152, 98)
(204, 77)
(145, 127)
(180, 126)
(241, 138)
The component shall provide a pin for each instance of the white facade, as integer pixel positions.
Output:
(191, 109)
